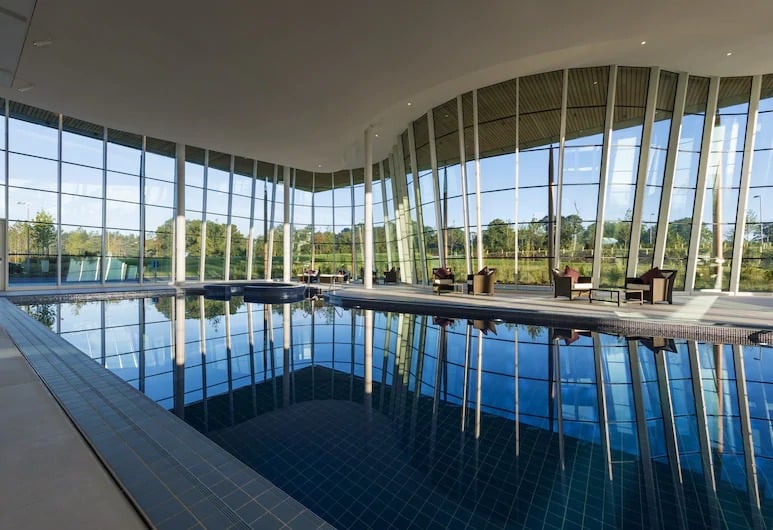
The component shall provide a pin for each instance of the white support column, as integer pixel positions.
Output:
(286, 242)
(641, 174)
(743, 197)
(479, 229)
(410, 262)
(419, 211)
(463, 173)
(227, 265)
(516, 246)
(270, 258)
(179, 220)
(103, 260)
(351, 227)
(141, 267)
(609, 119)
(59, 197)
(440, 229)
(251, 233)
(203, 258)
(367, 279)
(670, 170)
(385, 209)
(561, 143)
(4, 248)
(313, 220)
(700, 190)
(397, 201)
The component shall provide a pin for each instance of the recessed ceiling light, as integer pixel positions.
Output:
(409, 103)
(729, 54)
(643, 42)
(42, 43)
(376, 135)
(595, 82)
(319, 165)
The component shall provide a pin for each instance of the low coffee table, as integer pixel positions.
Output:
(615, 295)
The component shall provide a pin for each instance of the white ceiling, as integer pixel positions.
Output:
(297, 82)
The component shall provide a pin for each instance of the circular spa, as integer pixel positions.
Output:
(273, 292)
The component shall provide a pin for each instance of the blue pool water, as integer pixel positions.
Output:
(380, 420)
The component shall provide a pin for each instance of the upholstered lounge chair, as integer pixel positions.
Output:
(569, 285)
(391, 276)
(442, 280)
(657, 285)
(483, 282)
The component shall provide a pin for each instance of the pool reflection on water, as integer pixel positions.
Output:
(376, 419)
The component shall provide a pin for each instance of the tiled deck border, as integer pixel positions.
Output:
(176, 476)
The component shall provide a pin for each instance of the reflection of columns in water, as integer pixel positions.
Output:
(286, 339)
(559, 403)
(419, 376)
(312, 348)
(466, 377)
(178, 318)
(103, 340)
(516, 400)
(203, 350)
(229, 361)
(141, 345)
(601, 400)
(251, 341)
(669, 432)
(704, 440)
(385, 361)
(641, 431)
(272, 353)
(752, 484)
(351, 354)
(368, 390)
(478, 383)
(439, 360)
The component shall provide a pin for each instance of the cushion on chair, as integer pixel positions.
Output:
(582, 286)
(442, 273)
(570, 272)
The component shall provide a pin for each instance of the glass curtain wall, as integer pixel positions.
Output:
(263, 191)
(425, 197)
(358, 224)
(379, 235)
(324, 234)
(194, 210)
(688, 158)
(446, 122)
(342, 222)
(584, 139)
(757, 270)
(723, 182)
(539, 126)
(158, 215)
(3, 181)
(303, 232)
(218, 183)
(82, 194)
(497, 141)
(241, 213)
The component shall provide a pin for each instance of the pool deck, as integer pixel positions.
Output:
(82, 449)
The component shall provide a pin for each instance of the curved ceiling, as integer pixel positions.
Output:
(297, 83)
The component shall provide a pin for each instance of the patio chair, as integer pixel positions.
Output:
(442, 280)
(482, 282)
(657, 285)
(392, 275)
(569, 283)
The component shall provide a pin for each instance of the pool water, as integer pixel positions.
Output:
(386, 420)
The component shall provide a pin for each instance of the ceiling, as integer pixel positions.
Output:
(297, 83)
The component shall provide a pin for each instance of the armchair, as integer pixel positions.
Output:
(657, 285)
(391, 276)
(569, 283)
(442, 280)
(482, 282)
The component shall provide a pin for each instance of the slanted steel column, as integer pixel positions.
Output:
(385, 208)
(561, 143)
(700, 190)
(179, 220)
(419, 211)
(267, 271)
(251, 232)
(287, 243)
(670, 170)
(367, 266)
(479, 229)
(463, 173)
(641, 175)
(743, 196)
(440, 230)
(598, 242)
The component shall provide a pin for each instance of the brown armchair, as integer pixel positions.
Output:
(442, 280)
(392, 276)
(568, 283)
(657, 285)
(482, 282)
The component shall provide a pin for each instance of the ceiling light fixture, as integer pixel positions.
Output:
(728, 54)
(319, 165)
(409, 103)
(643, 42)
(376, 135)
(42, 43)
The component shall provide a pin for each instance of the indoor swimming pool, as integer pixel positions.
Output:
(379, 419)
